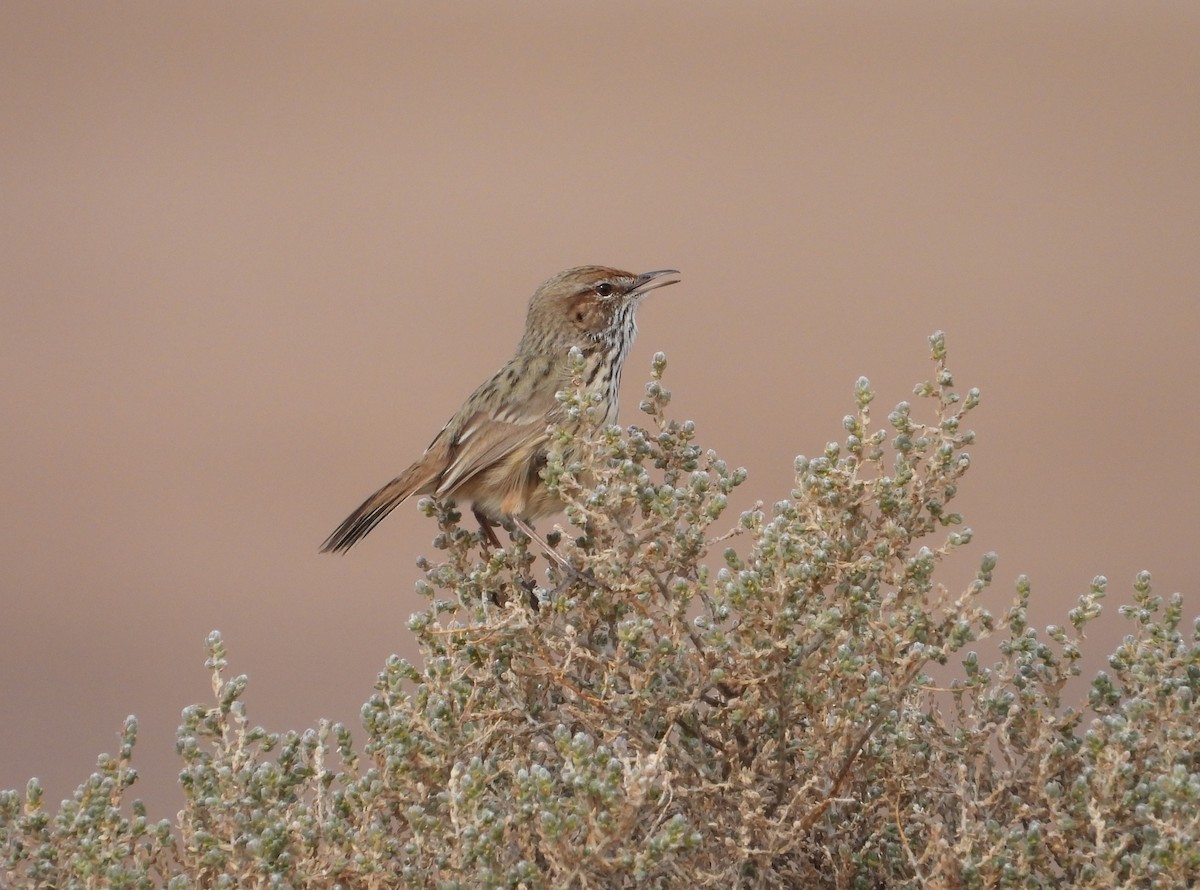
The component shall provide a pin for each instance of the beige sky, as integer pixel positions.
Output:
(254, 256)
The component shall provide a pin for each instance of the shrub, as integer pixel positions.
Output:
(643, 719)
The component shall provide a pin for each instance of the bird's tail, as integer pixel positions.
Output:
(375, 508)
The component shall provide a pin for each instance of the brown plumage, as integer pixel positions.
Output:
(490, 452)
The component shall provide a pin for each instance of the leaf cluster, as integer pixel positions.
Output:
(656, 707)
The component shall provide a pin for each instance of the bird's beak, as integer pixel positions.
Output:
(648, 281)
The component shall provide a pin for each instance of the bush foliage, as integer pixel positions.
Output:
(646, 719)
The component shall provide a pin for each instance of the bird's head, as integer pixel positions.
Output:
(588, 304)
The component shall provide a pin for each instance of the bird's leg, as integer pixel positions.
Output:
(485, 526)
(490, 542)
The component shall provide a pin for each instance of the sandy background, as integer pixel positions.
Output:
(252, 256)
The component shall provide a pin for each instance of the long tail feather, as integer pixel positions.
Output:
(359, 523)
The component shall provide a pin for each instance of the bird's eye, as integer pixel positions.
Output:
(604, 289)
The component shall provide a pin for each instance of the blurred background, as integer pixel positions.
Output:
(252, 257)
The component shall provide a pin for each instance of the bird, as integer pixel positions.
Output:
(491, 451)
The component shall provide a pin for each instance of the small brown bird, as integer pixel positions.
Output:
(492, 449)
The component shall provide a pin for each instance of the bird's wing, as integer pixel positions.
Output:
(489, 442)
(466, 447)
(489, 430)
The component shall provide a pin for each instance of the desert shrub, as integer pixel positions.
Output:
(667, 710)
